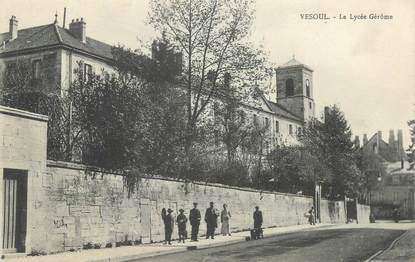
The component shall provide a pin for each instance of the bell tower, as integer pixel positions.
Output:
(295, 89)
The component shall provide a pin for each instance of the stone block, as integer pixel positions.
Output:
(68, 220)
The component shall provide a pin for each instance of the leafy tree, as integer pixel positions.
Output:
(213, 38)
(330, 142)
(21, 89)
(133, 120)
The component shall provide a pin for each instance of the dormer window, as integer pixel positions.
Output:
(289, 87)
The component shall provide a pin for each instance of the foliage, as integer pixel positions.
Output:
(20, 89)
(330, 144)
(235, 173)
(131, 121)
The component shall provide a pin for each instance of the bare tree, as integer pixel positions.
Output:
(213, 38)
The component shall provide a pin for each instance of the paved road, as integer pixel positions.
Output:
(355, 244)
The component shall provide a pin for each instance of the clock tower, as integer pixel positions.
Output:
(295, 89)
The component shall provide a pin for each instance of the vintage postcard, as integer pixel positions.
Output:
(207, 130)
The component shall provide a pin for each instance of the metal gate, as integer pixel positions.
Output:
(14, 210)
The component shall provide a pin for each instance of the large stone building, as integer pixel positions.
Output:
(55, 53)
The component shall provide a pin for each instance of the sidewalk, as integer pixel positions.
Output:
(402, 250)
(150, 250)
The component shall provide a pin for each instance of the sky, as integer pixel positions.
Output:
(366, 67)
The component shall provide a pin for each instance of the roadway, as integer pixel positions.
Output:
(333, 244)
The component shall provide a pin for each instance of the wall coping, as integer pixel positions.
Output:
(77, 166)
(21, 113)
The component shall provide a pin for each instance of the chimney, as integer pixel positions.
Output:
(13, 27)
(379, 136)
(78, 29)
(378, 140)
(392, 138)
(365, 139)
(357, 142)
(399, 147)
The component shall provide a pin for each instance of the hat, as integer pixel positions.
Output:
(181, 210)
(194, 203)
(169, 210)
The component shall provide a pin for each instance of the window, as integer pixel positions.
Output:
(310, 105)
(255, 120)
(290, 128)
(36, 69)
(395, 180)
(395, 196)
(87, 72)
(307, 87)
(289, 87)
(299, 131)
(267, 123)
(277, 126)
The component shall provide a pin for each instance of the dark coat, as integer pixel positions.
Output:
(168, 221)
(195, 216)
(181, 222)
(258, 218)
(211, 217)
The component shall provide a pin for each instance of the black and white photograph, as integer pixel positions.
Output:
(207, 130)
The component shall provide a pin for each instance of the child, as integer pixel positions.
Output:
(181, 224)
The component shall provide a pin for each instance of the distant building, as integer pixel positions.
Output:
(396, 189)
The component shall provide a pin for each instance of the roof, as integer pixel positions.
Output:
(295, 63)
(52, 35)
(282, 111)
(395, 168)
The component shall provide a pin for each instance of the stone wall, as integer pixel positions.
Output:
(83, 208)
(363, 213)
(23, 147)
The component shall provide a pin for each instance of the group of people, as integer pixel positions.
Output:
(211, 219)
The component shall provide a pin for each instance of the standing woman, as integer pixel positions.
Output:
(225, 216)
(311, 218)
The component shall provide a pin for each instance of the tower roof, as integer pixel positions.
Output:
(294, 63)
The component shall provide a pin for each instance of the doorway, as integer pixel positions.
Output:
(14, 210)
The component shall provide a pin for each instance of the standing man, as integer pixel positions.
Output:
(168, 220)
(195, 218)
(257, 222)
(211, 218)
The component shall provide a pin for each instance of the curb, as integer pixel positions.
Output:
(380, 252)
(143, 256)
